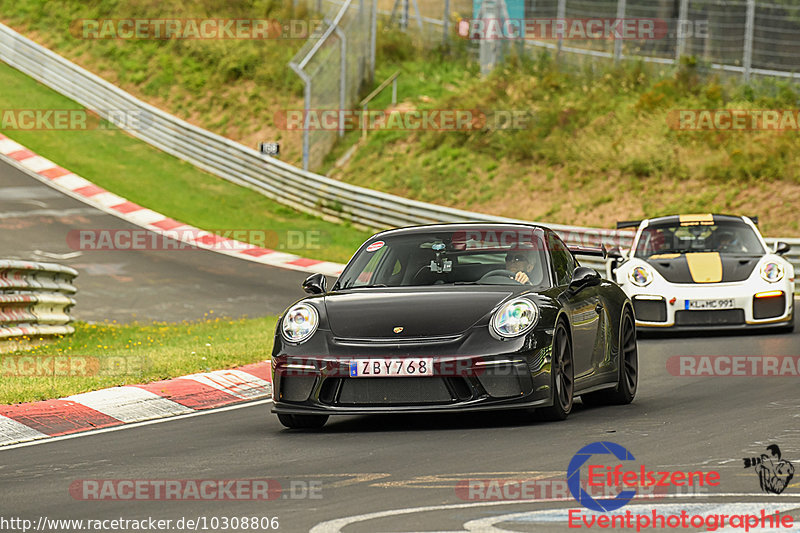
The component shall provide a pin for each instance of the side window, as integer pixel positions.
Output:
(367, 276)
(563, 262)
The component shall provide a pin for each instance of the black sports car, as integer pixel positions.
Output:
(455, 317)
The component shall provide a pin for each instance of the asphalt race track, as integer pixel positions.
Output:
(126, 285)
(357, 466)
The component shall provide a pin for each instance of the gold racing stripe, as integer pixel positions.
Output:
(705, 267)
(664, 256)
(696, 219)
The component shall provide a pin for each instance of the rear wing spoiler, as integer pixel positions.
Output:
(621, 224)
(596, 251)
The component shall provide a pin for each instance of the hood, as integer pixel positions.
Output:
(424, 311)
(703, 267)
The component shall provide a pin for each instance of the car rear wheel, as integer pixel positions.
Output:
(563, 376)
(628, 369)
(302, 421)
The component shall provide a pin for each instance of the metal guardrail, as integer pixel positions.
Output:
(305, 191)
(35, 299)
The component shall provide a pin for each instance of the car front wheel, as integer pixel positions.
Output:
(563, 376)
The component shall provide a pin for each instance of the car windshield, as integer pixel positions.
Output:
(677, 238)
(481, 257)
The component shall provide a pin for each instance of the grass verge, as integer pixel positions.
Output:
(230, 86)
(158, 181)
(104, 355)
(599, 144)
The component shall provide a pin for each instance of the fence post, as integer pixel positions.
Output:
(446, 21)
(747, 59)
(306, 106)
(617, 40)
(561, 13)
(680, 35)
(306, 130)
(342, 77)
(373, 37)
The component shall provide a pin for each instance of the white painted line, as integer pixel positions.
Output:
(72, 182)
(235, 382)
(7, 146)
(327, 268)
(278, 257)
(129, 404)
(37, 163)
(135, 425)
(144, 217)
(13, 432)
(107, 199)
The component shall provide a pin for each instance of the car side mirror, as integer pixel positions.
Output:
(315, 284)
(583, 277)
(782, 247)
(614, 252)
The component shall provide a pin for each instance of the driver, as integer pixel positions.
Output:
(520, 264)
(727, 242)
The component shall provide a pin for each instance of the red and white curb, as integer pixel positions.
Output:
(133, 403)
(77, 187)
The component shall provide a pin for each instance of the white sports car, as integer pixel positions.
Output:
(705, 271)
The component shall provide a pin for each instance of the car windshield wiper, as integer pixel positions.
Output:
(367, 286)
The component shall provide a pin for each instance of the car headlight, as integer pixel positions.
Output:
(515, 318)
(299, 323)
(772, 272)
(640, 276)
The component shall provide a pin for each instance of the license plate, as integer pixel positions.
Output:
(384, 368)
(721, 303)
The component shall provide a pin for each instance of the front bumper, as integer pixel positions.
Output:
(669, 306)
(517, 378)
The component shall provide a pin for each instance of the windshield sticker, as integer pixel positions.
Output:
(375, 246)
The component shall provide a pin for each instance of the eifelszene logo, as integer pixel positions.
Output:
(574, 476)
(607, 477)
(774, 473)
